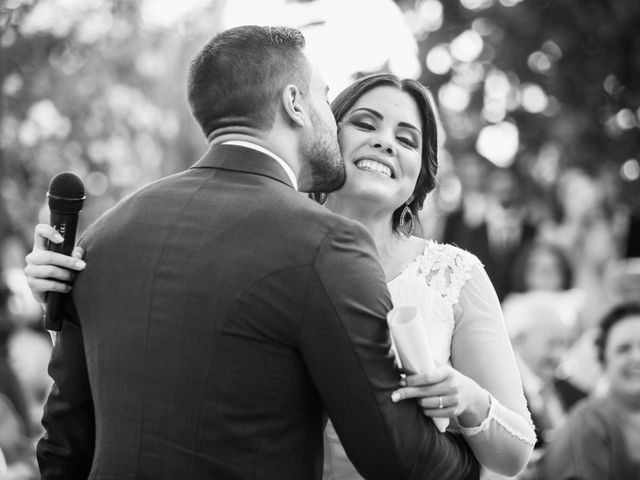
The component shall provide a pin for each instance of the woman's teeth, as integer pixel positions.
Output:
(374, 166)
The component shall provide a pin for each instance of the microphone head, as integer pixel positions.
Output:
(66, 193)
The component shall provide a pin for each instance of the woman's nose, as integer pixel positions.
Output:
(383, 145)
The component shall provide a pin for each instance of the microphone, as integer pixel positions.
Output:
(66, 195)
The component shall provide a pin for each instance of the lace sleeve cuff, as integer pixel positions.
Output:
(471, 431)
(496, 419)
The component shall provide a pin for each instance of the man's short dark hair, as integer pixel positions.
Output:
(237, 78)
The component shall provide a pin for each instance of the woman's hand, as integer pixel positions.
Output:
(49, 271)
(445, 392)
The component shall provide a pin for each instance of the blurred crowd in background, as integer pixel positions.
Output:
(539, 155)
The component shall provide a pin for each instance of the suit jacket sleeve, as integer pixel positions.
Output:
(346, 345)
(66, 449)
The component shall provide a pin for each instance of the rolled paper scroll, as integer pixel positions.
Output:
(412, 344)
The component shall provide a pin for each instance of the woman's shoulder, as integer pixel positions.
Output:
(449, 255)
(446, 268)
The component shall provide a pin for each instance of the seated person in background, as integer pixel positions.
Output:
(10, 387)
(542, 266)
(601, 436)
(540, 339)
(543, 270)
(544, 275)
(17, 451)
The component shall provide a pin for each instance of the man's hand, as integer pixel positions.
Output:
(49, 271)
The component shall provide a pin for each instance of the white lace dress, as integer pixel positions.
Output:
(466, 329)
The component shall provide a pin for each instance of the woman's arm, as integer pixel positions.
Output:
(481, 350)
(483, 390)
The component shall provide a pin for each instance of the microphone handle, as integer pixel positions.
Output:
(66, 225)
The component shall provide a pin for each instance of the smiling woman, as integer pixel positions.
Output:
(387, 134)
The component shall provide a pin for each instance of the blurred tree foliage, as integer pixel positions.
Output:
(88, 87)
(584, 55)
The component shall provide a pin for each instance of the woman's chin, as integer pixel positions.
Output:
(380, 191)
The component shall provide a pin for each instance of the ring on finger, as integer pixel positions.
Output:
(440, 404)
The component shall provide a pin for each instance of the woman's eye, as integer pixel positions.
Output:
(363, 125)
(408, 141)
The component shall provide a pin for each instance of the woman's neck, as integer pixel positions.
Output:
(631, 406)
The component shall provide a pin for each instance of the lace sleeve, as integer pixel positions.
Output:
(480, 349)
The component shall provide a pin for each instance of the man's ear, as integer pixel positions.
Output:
(293, 106)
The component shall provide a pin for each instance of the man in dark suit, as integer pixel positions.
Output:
(222, 313)
(496, 235)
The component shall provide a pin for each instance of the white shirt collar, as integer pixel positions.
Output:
(287, 169)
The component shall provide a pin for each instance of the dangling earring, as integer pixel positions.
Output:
(320, 197)
(406, 211)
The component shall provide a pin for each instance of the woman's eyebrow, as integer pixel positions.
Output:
(375, 113)
(379, 116)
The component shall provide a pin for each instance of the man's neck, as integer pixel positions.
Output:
(627, 403)
(257, 143)
(269, 141)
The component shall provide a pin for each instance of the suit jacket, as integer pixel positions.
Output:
(220, 313)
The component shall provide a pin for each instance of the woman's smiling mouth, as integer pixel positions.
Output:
(374, 166)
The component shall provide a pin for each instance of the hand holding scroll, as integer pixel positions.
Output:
(412, 344)
(441, 390)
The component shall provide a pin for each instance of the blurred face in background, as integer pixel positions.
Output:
(543, 270)
(542, 345)
(579, 195)
(622, 360)
(380, 139)
(502, 187)
(472, 172)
